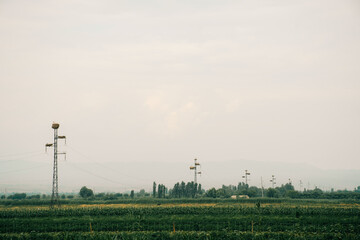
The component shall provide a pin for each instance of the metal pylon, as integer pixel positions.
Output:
(55, 200)
(196, 164)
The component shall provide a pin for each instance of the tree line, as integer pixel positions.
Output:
(194, 190)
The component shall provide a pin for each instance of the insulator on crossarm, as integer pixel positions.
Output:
(62, 137)
(48, 145)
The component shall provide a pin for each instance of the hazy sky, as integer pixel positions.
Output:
(168, 81)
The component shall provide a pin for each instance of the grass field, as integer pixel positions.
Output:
(192, 220)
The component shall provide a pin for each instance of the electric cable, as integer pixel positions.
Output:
(111, 169)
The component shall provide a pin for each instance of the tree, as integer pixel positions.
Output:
(289, 187)
(17, 196)
(292, 194)
(211, 193)
(86, 192)
(161, 191)
(253, 192)
(100, 195)
(132, 194)
(36, 196)
(199, 190)
(110, 196)
(189, 189)
(194, 190)
(176, 191)
(118, 195)
(220, 193)
(141, 193)
(271, 192)
(182, 189)
(154, 189)
(317, 193)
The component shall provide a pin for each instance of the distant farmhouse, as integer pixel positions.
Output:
(239, 196)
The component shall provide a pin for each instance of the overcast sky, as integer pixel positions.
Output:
(168, 81)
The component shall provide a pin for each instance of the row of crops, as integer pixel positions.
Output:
(190, 235)
(181, 222)
(228, 210)
(46, 202)
(271, 224)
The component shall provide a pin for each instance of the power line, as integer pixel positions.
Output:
(17, 154)
(97, 175)
(20, 170)
(20, 157)
(94, 174)
(108, 168)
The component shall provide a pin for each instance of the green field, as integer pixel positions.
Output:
(194, 220)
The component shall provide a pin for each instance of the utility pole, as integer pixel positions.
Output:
(195, 170)
(273, 181)
(55, 201)
(262, 188)
(246, 177)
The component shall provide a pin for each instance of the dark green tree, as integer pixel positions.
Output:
(293, 194)
(159, 191)
(154, 189)
(211, 193)
(182, 189)
(271, 192)
(199, 190)
(220, 193)
(17, 196)
(142, 193)
(86, 192)
(176, 191)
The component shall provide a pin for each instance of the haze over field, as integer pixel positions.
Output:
(141, 88)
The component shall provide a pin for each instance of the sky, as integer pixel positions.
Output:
(141, 88)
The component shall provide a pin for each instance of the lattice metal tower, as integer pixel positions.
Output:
(55, 186)
(195, 170)
(246, 177)
(273, 179)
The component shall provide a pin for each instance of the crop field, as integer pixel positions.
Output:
(228, 220)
